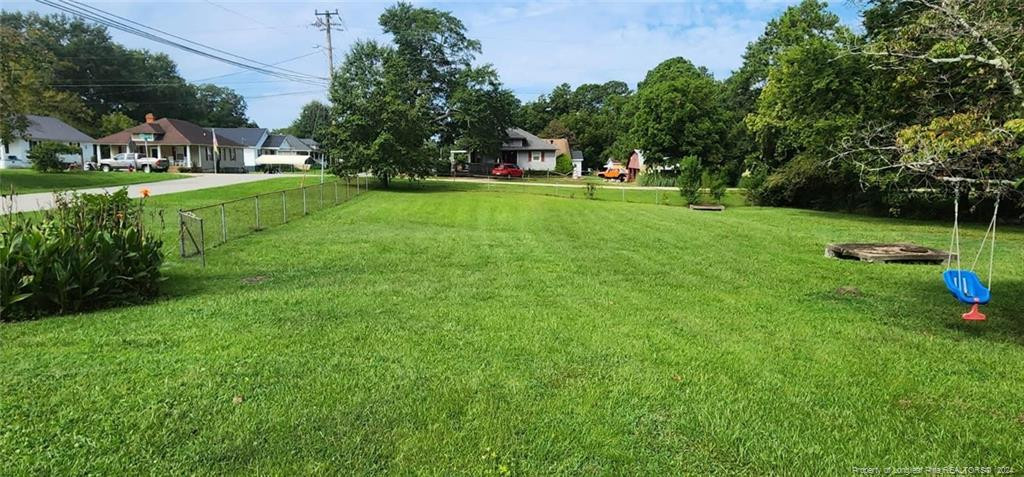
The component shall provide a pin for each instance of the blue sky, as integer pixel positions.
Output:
(534, 45)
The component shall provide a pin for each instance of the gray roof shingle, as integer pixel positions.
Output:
(532, 143)
(52, 129)
(248, 137)
(285, 142)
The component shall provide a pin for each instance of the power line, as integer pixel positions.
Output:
(104, 18)
(275, 63)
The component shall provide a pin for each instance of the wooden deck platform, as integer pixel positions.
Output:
(888, 253)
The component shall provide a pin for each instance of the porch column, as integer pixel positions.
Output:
(188, 156)
(159, 151)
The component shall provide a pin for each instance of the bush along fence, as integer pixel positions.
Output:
(206, 227)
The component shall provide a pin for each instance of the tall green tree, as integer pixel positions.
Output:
(390, 102)
(313, 122)
(83, 62)
(26, 82)
(678, 113)
(956, 90)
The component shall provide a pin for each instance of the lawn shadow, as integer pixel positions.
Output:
(924, 305)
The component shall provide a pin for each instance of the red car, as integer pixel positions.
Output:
(507, 170)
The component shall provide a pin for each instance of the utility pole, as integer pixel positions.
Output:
(325, 24)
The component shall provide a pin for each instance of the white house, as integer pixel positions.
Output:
(529, 152)
(251, 139)
(46, 128)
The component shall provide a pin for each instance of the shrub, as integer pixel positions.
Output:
(717, 184)
(89, 252)
(45, 156)
(657, 179)
(591, 191)
(689, 179)
(563, 164)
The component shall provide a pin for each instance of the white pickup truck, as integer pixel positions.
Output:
(133, 161)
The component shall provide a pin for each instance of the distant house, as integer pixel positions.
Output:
(46, 128)
(287, 151)
(527, 151)
(251, 140)
(185, 144)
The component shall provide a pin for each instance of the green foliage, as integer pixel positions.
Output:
(593, 117)
(45, 156)
(717, 185)
(689, 179)
(656, 178)
(678, 113)
(89, 252)
(563, 164)
(591, 191)
(25, 84)
(390, 102)
(313, 122)
(65, 51)
(114, 122)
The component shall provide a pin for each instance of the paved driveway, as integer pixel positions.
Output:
(44, 200)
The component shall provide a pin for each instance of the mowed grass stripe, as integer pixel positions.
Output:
(459, 332)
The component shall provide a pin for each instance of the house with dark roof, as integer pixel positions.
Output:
(519, 147)
(290, 151)
(45, 128)
(185, 144)
(251, 139)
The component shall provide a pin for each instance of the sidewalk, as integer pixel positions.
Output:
(44, 200)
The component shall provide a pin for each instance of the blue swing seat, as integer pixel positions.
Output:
(966, 287)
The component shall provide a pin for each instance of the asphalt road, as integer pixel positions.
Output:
(44, 200)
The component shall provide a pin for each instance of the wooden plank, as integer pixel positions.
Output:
(708, 208)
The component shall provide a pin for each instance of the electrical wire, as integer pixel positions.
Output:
(103, 18)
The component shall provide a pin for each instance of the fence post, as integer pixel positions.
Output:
(223, 224)
(321, 195)
(304, 211)
(257, 212)
(335, 192)
(181, 232)
(284, 207)
(348, 192)
(202, 241)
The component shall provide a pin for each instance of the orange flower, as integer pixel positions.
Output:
(144, 191)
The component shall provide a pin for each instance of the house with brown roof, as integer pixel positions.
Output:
(185, 144)
(561, 146)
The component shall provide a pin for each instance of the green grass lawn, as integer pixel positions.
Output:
(26, 181)
(439, 332)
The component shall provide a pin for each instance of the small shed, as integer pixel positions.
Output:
(577, 163)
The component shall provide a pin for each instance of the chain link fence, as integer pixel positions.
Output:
(206, 227)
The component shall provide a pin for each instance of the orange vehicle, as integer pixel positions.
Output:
(614, 173)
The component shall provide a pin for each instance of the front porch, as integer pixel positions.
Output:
(195, 157)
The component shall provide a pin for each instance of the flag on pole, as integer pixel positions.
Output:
(215, 151)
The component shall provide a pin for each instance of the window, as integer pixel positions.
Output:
(536, 156)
